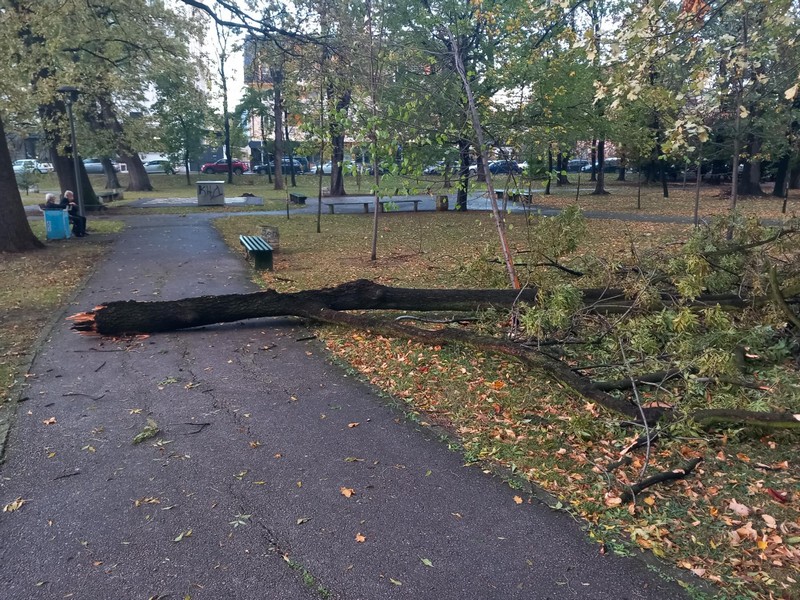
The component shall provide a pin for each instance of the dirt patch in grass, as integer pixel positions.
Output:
(734, 522)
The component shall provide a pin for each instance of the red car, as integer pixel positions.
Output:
(221, 166)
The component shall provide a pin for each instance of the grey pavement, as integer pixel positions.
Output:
(239, 495)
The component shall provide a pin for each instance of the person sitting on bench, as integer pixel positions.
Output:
(78, 221)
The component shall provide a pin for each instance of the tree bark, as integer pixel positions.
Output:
(600, 187)
(463, 175)
(277, 82)
(337, 146)
(15, 231)
(132, 318)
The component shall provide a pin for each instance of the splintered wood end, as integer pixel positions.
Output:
(84, 322)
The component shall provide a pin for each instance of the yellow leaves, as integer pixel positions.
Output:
(346, 491)
(50, 421)
(497, 384)
(146, 500)
(650, 501)
(255, 444)
(355, 424)
(743, 112)
(360, 538)
(14, 505)
(182, 535)
(612, 500)
(240, 475)
(517, 500)
(135, 411)
(791, 92)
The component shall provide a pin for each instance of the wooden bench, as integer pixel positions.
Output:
(110, 195)
(297, 198)
(331, 205)
(259, 249)
(383, 203)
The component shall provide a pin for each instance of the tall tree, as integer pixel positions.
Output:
(15, 231)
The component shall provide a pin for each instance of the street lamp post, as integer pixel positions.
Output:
(70, 96)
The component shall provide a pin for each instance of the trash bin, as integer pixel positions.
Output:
(210, 193)
(56, 224)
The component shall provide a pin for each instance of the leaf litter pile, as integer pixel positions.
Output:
(727, 509)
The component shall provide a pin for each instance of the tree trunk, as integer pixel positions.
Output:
(600, 188)
(593, 161)
(337, 146)
(15, 231)
(288, 145)
(623, 165)
(750, 182)
(781, 176)
(132, 317)
(112, 181)
(138, 178)
(277, 82)
(463, 175)
(549, 170)
(563, 163)
(794, 178)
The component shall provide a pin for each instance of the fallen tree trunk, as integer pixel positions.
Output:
(326, 306)
(131, 317)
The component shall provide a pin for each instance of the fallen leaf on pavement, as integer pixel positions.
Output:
(517, 500)
(346, 491)
(15, 505)
(360, 538)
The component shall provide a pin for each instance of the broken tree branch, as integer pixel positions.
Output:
(630, 494)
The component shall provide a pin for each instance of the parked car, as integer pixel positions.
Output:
(94, 166)
(286, 166)
(611, 165)
(436, 169)
(221, 166)
(576, 164)
(29, 165)
(158, 166)
(504, 166)
(348, 167)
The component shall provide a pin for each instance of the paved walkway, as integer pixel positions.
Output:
(240, 494)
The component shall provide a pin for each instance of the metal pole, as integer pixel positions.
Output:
(75, 157)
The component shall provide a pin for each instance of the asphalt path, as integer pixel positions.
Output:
(275, 474)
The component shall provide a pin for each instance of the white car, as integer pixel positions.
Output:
(28, 165)
(348, 168)
(158, 166)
